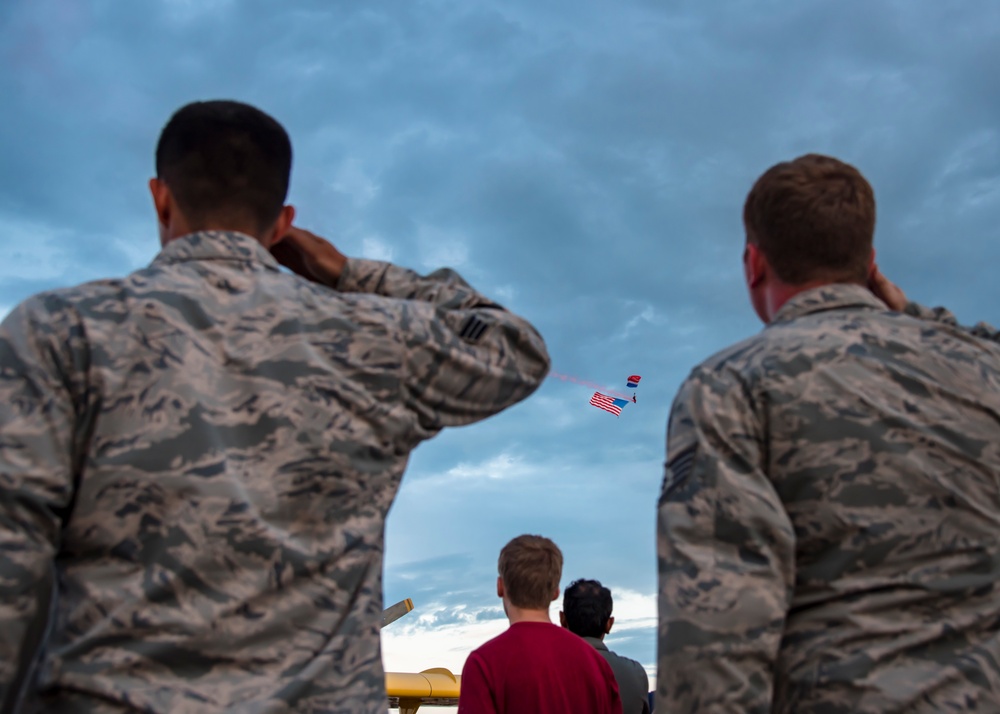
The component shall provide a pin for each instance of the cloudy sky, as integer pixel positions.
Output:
(583, 162)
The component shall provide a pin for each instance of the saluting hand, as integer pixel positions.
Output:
(310, 256)
(886, 290)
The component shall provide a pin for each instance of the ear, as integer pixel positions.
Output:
(161, 200)
(562, 618)
(872, 267)
(500, 592)
(280, 228)
(555, 595)
(609, 625)
(755, 265)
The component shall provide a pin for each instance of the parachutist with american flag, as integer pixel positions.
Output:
(615, 404)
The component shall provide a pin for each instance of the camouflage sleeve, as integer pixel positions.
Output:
(443, 287)
(942, 314)
(37, 418)
(726, 550)
(467, 357)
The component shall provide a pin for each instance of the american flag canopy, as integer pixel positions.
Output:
(608, 404)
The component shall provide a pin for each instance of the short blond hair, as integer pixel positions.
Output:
(530, 567)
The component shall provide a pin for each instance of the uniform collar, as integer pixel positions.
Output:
(216, 245)
(827, 297)
(597, 643)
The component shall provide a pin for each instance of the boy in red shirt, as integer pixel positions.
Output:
(535, 666)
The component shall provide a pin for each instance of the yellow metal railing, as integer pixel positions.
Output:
(433, 687)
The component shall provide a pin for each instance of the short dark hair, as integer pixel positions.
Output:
(225, 160)
(587, 606)
(813, 218)
(530, 567)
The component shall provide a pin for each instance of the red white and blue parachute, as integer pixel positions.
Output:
(632, 383)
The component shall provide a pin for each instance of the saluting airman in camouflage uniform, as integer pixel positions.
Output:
(829, 523)
(196, 461)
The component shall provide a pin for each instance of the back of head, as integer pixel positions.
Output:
(587, 606)
(813, 218)
(530, 567)
(226, 163)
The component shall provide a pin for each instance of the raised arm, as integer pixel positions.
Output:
(37, 453)
(466, 356)
(896, 299)
(726, 551)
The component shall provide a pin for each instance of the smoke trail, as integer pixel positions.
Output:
(593, 385)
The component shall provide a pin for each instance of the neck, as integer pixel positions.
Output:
(180, 228)
(521, 614)
(778, 293)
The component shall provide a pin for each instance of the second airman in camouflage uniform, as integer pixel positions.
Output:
(196, 461)
(829, 523)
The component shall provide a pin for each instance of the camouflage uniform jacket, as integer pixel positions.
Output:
(829, 523)
(196, 463)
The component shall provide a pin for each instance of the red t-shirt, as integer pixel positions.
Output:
(537, 667)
